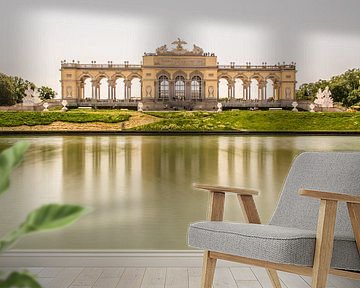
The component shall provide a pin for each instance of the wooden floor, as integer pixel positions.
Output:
(169, 277)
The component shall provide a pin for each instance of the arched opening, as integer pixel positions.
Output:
(179, 88)
(254, 89)
(135, 91)
(239, 88)
(163, 87)
(120, 89)
(196, 87)
(87, 89)
(103, 89)
(223, 88)
(269, 89)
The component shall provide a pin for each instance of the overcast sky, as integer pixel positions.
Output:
(321, 36)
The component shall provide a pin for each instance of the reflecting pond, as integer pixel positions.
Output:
(140, 187)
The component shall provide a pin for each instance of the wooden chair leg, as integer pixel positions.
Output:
(274, 278)
(208, 271)
(354, 212)
(251, 215)
(324, 243)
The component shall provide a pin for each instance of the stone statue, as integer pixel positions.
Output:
(29, 92)
(197, 50)
(328, 101)
(219, 106)
(32, 96)
(179, 44)
(324, 99)
(162, 49)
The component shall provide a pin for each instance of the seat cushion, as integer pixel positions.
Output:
(270, 243)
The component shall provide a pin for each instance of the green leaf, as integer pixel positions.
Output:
(20, 280)
(50, 216)
(9, 159)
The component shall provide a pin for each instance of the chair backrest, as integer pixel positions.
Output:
(326, 171)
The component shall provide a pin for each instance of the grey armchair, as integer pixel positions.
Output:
(314, 231)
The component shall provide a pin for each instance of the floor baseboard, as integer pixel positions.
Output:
(104, 258)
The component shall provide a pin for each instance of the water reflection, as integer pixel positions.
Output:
(140, 186)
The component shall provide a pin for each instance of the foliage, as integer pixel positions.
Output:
(50, 216)
(12, 90)
(8, 119)
(7, 91)
(353, 99)
(20, 87)
(341, 87)
(17, 279)
(9, 159)
(308, 91)
(253, 121)
(46, 93)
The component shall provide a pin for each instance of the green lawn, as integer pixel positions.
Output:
(254, 121)
(199, 121)
(8, 119)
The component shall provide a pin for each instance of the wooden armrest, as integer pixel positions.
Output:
(330, 196)
(225, 189)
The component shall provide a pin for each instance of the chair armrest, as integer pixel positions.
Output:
(322, 195)
(225, 189)
(217, 200)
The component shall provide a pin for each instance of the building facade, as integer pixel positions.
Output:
(178, 78)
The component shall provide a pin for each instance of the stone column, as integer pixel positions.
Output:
(114, 91)
(265, 87)
(277, 91)
(171, 89)
(125, 90)
(229, 90)
(203, 90)
(141, 89)
(98, 91)
(129, 90)
(109, 89)
(156, 92)
(79, 91)
(93, 89)
(261, 91)
(188, 89)
(274, 92)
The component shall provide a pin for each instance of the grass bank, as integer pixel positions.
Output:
(11, 119)
(257, 121)
(253, 121)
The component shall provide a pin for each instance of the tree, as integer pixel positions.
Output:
(20, 87)
(46, 93)
(7, 91)
(308, 91)
(344, 88)
(353, 99)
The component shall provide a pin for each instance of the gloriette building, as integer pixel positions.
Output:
(178, 78)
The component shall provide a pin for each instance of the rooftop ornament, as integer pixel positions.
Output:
(179, 49)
